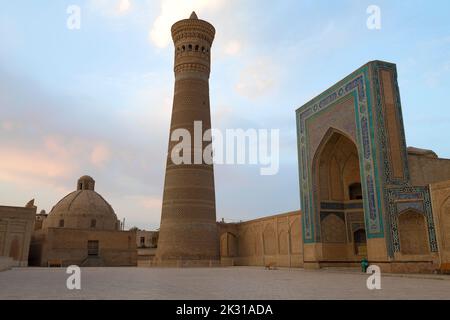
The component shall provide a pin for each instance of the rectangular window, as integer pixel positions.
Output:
(61, 223)
(142, 241)
(93, 247)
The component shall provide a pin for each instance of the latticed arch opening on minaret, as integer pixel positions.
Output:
(193, 49)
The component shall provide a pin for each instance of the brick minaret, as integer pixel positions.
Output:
(188, 233)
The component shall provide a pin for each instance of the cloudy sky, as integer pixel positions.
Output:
(97, 100)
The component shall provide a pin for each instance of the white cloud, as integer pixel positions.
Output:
(149, 202)
(258, 78)
(100, 155)
(124, 5)
(174, 10)
(109, 8)
(31, 163)
(7, 125)
(233, 47)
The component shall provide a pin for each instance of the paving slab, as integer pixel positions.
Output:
(215, 283)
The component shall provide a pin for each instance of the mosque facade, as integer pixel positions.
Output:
(363, 192)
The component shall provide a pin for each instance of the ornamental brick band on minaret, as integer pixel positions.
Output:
(188, 232)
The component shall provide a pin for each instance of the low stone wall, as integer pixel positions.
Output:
(425, 170)
(292, 261)
(440, 198)
(16, 226)
(70, 246)
(145, 257)
(6, 263)
(273, 240)
(185, 263)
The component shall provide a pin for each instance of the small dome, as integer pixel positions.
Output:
(86, 183)
(83, 209)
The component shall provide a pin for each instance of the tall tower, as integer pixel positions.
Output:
(188, 232)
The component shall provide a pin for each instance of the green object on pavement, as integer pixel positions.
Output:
(364, 265)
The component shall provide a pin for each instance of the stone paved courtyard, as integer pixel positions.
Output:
(216, 283)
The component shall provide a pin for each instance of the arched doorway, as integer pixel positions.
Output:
(339, 198)
(269, 240)
(413, 233)
(247, 243)
(228, 245)
(360, 242)
(14, 250)
(444, 219)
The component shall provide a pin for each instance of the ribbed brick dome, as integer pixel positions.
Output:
(83, 209)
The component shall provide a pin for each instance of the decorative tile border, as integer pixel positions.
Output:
(381, 127)
(357, 85)
(340, 205)
(421, 203)
(381, 190)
